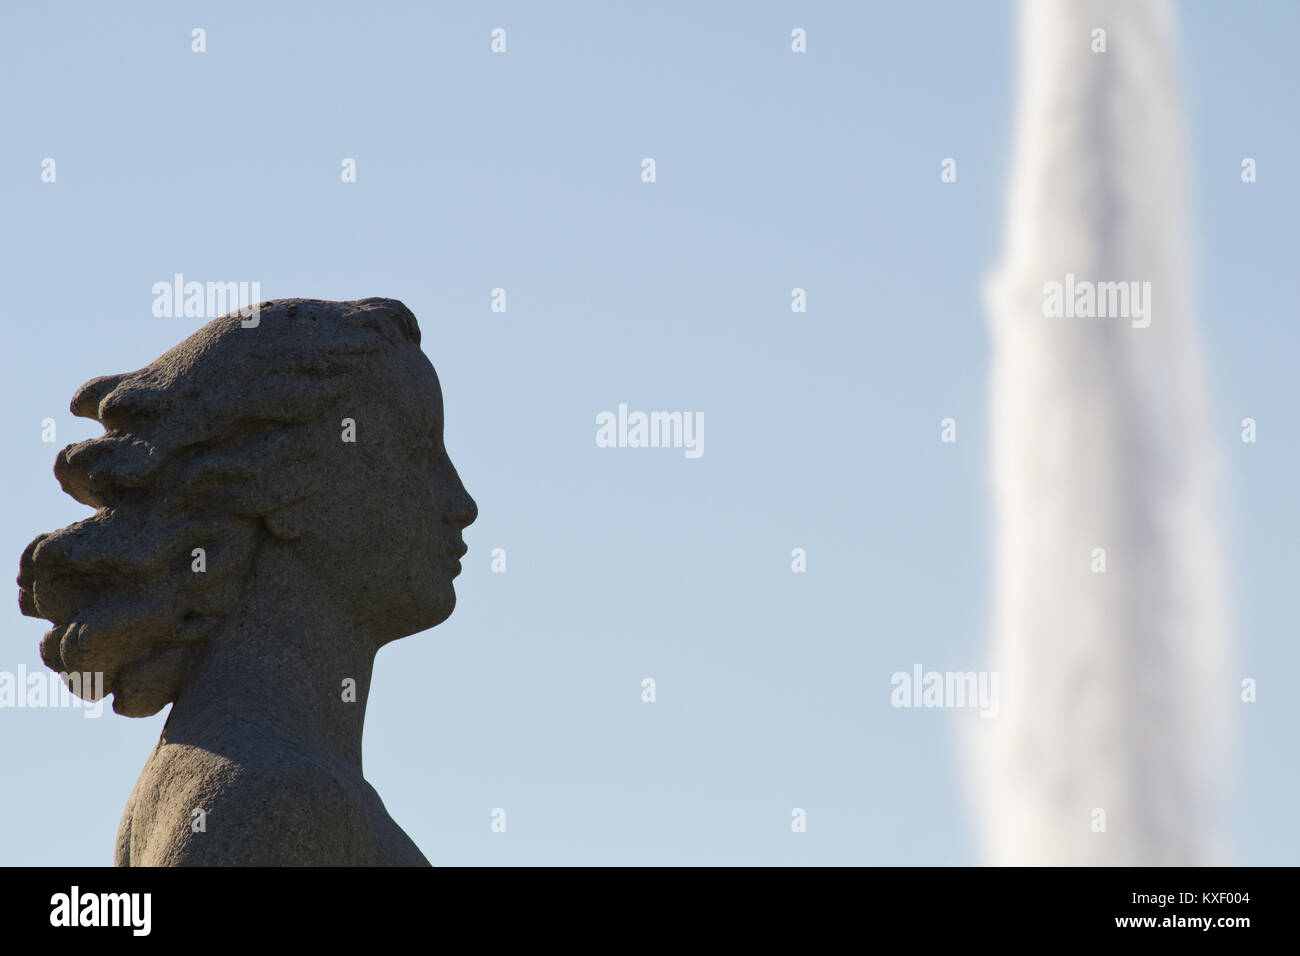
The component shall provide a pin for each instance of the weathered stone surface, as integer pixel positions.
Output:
(316, 551)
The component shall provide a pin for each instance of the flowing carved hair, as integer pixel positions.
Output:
(212, 446)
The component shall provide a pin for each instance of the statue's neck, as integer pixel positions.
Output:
(282, 671)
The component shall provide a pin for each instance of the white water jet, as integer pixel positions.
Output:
(1115, 685)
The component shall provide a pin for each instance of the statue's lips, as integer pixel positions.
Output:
(452, 560)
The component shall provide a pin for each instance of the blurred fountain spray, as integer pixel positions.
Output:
(1115, 685)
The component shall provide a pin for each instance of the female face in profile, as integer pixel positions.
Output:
(274, 503)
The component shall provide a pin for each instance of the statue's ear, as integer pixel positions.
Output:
(285, 524)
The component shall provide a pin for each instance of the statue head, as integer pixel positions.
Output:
(307, 448)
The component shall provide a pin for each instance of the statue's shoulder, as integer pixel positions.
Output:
(275, 806)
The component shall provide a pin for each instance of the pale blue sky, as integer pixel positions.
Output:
(521, 171)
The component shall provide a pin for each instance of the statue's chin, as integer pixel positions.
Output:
(138, 705)
(438, 608)
(446, 605)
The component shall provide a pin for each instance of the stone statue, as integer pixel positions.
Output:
(273, 503)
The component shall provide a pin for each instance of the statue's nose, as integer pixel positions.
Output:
(466, 511)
